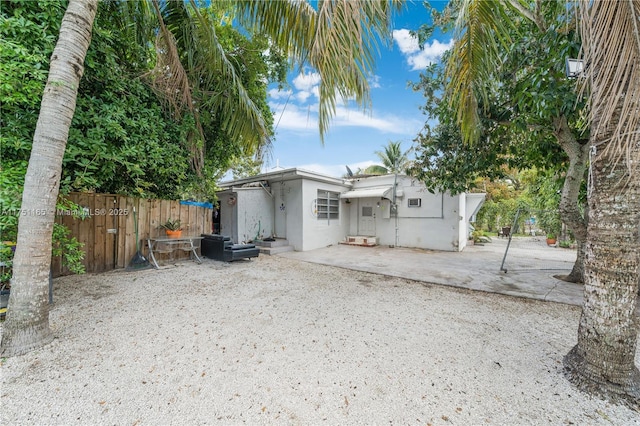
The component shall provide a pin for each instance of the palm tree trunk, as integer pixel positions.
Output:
(27, 323)
(603, 359)
(602, 362)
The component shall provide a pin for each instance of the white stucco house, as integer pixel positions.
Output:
(311, 210)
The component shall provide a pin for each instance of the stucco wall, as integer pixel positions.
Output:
(254, 214)
(463, 224)
(293, 210)
(317, 232)
(249, 215)
(435, 224)
(439, 222)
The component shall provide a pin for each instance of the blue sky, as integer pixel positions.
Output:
(354, 136)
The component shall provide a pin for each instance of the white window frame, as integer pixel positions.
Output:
(328, 205)
(414, 202)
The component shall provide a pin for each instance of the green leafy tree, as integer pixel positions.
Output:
(526, 114)
(500, 206)
(375, 169)
(244, 167)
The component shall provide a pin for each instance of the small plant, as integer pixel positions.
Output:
(6, 261)
(69, 248)
(172, 225)
(551, 236)
(565, 244)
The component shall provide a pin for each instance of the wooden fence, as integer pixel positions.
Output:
(108, 230)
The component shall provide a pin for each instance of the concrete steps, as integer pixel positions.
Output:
(280, 245)
(358, 240)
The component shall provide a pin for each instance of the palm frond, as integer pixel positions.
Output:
(190, 56)
(481, 26)
(344, 51)
(242, 120)
(290, 24)
(611, 45)
(170, 80)
(169, 77)
(339, 40)
(393, 159)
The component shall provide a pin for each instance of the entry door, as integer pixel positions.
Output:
(367, 218)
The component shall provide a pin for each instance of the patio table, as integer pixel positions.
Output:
(169, 245)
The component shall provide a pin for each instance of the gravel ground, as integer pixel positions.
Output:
(279, 341)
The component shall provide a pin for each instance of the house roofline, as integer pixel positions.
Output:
(284, 175)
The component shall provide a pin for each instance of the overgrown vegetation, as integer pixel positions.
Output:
(124, 138)
(533, 192)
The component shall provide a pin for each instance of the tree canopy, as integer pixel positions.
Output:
(525, 91)
(124, 139)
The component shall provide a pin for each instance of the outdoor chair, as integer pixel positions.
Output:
(504, 232)
(220, 247)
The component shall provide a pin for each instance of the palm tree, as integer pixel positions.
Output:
(27, 323)
(393, 159)
(375, 169)
(603, 360)
(339, 39)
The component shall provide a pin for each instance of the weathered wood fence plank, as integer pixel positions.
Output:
(108, 230)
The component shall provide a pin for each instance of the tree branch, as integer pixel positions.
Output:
(527, 13)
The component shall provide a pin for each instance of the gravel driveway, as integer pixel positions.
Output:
(280, 341)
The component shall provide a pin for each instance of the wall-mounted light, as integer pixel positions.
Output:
(574, 67)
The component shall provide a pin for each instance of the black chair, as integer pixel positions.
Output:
(504, 232)
(220, 247)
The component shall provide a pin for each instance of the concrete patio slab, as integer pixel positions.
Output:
(477, 267)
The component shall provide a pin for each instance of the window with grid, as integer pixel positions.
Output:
(328, 204)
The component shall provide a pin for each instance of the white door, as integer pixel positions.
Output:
(367, 218)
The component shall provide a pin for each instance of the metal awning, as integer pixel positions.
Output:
(375, 192)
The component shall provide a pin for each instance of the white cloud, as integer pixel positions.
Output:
(292, 117)
(306, 81)
(301, 118)
(430, 54)
(374, 82)
(418, 59)
(348, 117)
(297, 110)
(407, 43)
(303, 95)
(279, 94)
